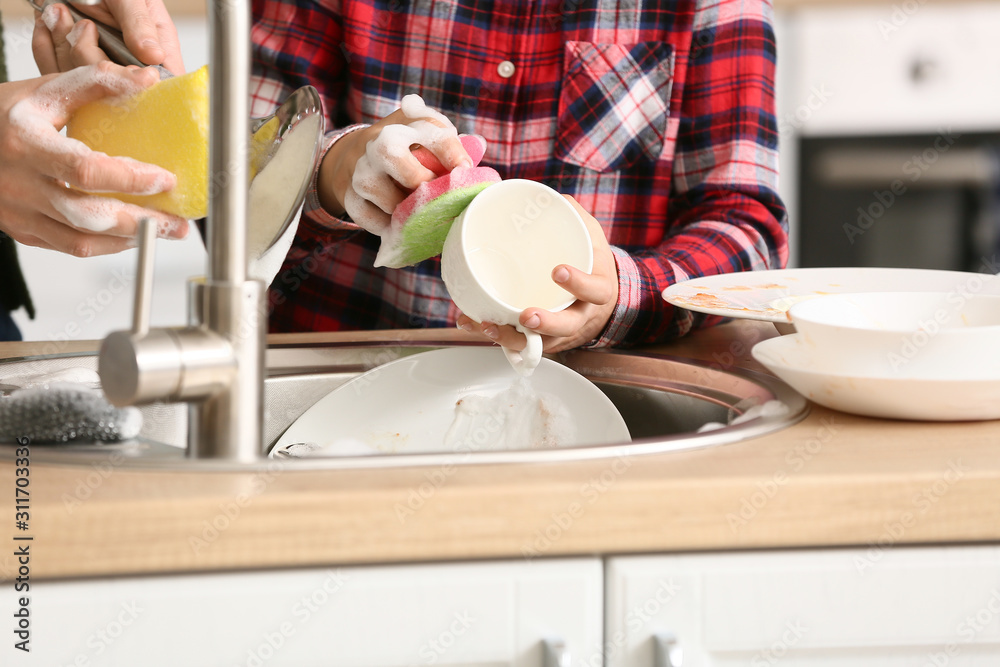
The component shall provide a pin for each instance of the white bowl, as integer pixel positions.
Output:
(943, 335)
(855, 388)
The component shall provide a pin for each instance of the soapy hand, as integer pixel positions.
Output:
(59, 46)
(368, 172)
(37, 164)
(596, 294)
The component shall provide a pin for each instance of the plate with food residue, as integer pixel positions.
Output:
(458, 399)
(767, 295)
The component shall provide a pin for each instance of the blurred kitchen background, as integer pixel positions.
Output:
(889, 115)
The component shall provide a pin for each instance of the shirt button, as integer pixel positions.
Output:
(506, 69)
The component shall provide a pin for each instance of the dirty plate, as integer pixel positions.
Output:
(767, 295)
(935, 394)
(455, 399)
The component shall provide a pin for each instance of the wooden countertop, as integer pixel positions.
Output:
(832, 479)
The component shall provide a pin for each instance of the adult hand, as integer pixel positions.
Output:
(43, 174)
(59, 46)
(596, 294)
(366, 173)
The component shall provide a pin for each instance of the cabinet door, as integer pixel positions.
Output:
(902, 67)
(491, 613)
(881, 606)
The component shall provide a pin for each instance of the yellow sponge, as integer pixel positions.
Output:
(165, 125)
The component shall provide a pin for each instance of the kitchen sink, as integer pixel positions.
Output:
(668, 404)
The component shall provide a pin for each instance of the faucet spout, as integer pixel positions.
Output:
(217, 362)
(229, 423)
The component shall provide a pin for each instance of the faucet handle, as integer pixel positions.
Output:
(141, 365)
(143, 304)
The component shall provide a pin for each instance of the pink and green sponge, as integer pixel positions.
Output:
(420, 223)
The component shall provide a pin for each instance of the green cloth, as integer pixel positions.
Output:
(13, 290)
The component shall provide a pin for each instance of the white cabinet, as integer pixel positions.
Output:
(881, 606)
(894, 68)
(490, 613)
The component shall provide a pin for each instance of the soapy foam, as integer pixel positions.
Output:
(413, 107)
(99, 214)
(420, 223)
(73, 36)
(515, 418)
(37, 118)
(38, 115)
(50, 17)
(386, 157)
(162, 180)
(360, 211)
(93, 214)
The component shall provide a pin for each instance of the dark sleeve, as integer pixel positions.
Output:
(13, 290)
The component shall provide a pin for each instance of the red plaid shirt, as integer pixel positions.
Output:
(660, 121)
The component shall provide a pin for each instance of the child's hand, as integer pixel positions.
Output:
(366, 173)
(596, 294)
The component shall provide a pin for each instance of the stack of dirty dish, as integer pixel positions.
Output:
(918, 355)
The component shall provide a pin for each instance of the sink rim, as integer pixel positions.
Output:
(150, 455)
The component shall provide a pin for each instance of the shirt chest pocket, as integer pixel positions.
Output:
(614, 104)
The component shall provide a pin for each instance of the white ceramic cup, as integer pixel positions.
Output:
(500, 253)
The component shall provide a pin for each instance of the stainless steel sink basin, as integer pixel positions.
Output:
(664, 401)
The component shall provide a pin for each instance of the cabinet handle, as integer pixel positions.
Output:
(667, 650)
(555, 653)
(877, 167)
(923, 70)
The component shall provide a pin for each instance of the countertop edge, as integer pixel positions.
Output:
(831, 480)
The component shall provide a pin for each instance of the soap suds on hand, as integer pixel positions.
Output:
(413, 107)
(36, 120)
(388, 157)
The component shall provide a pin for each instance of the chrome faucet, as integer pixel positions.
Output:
(216, 363)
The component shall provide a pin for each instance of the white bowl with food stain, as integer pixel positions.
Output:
(905, 334)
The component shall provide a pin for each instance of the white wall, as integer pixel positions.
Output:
(80, 299)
